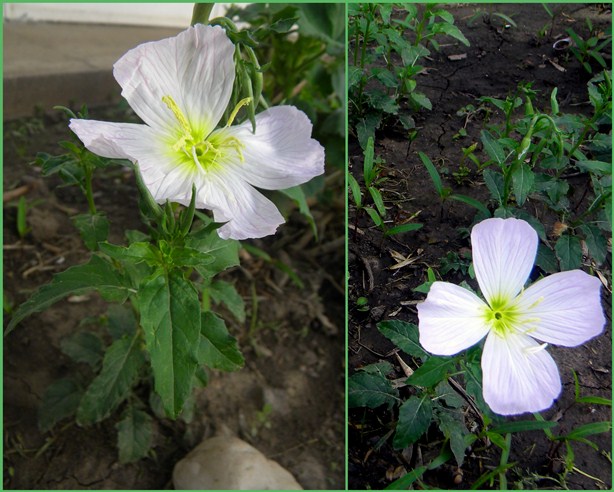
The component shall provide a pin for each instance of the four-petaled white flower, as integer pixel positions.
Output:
(180, 87)
(563, 309)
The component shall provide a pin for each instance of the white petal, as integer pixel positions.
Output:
(137, 143)
(247, 212)
(564, 308)
(281, 153)
(451, 319)
(195, 68)
(518, 375)
(503, 253)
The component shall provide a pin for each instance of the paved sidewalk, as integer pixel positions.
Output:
(49, 64)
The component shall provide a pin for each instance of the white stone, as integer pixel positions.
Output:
(228, 463)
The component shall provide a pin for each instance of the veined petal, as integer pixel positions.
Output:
(564, 308)
(451, 319)
(117, 140)
(518, 374)
(503, 255)
(281, 153)
(195, 68)
(248, 213)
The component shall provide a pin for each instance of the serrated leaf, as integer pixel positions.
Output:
(414, 419)
(367, 389)
(93, 229)
(522, 181)
(97, 274)
(135, 252)
(218, 349)
(382, 368)
(134, 435)
(60, 401)
(224, 292)
(224, 251)
(83, 347)
(569, 252)
(120, 368)
(404, 335)
(431, 372)
(170, 319)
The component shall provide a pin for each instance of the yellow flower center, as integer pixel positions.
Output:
(502, 316)
(205, 151)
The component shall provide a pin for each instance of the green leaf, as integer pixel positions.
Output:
(404, 335)
(522, 181)
(120, 321)
(472, 202)
(366, 389)
(134, 435)
(588, 430)
(83, 347)
(492, 147)
(598, 167)
(406, 480)
(169, 308)
(375, 217)
(594, 400)
(60, 401)
(297, 195)
(355, 188)
(224, 292)
(414, 419)
(218, 349)
(523, 426)
(120, 369)
(546, 260)
(93, 229)
(596, 242)
(378, 201)
(569, 252)
(135, 252)
(433, 173)
(206, 240)
(97, 274)
(445, 392)
(495, 184)
(452, 424)
(400, 229)
(421, 100)
(451, 30)
(383, 368)
(367, 166)
(433, 371)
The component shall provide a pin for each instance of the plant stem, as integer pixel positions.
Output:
(504, 457)
(201, 12)
(88, 191)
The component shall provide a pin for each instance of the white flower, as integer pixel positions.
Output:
(180, 87)
(563, 309)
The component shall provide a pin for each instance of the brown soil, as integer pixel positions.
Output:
(287, 401)
(496, 61)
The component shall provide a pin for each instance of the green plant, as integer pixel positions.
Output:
(531, 157)
(592, 48)
(393, 86)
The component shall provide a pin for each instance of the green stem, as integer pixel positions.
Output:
(504, 457)
(88, 191)
(201, 12)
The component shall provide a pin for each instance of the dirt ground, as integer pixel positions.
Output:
(496, 61)
(289, 399)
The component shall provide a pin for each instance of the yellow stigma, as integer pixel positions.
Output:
(502, 316)
(205, 151)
